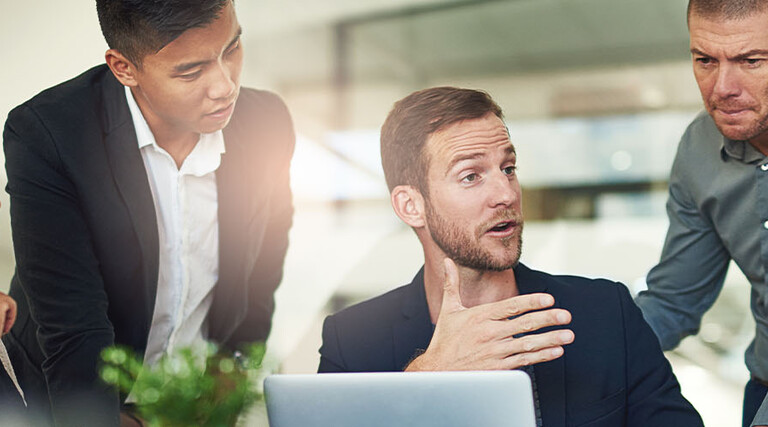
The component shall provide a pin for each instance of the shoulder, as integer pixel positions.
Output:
(70, 100)
(261, 119)
(598, 305)
(376, 313)
(579, 287)
(375, 335)
(261, 106)
(65, 116)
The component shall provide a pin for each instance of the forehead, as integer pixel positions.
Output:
(199, 44)
(729, 36)
(477, 137)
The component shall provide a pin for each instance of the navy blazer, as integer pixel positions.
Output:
(86, 241)
(613, 374)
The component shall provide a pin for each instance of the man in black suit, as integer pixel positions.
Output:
(150, 206)
(451, 171)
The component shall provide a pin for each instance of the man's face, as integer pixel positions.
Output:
(473, 210)
(730, 62)
(190, 86)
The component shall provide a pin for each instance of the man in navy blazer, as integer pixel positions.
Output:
(451, 171)
(86, 214)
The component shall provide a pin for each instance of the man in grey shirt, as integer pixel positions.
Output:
(718, 190)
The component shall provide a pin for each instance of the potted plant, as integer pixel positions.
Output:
(185, 388)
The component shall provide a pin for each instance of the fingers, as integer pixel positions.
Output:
(532, 322)
(536, 342)
(451, 291)
(10, 318)
(526, 359)
(533, 349)
(7, 313)
(520, 304)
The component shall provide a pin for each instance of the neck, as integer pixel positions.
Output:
(177, 142)
(476, 287)
(179, 147)
(760, 142)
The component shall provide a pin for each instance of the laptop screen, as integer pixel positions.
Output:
(445, 399)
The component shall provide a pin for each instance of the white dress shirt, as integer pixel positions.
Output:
(186, 206)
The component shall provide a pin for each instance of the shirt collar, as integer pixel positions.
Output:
(204, 158)
(742, 151)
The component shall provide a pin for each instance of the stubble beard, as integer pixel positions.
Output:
(466, 251)
(753, 130)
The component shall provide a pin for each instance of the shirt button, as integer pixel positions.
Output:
(764, 167)
(765, 224)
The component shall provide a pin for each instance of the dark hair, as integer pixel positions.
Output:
(415, 117)
(725, 9)
(136, 28)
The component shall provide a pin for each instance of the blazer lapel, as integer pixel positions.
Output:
(230, 302)
(550, 376)
(242, 216)
(130, 177)
(414, 331)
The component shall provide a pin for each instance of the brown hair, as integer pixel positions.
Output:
(415, 117)
(725, 9)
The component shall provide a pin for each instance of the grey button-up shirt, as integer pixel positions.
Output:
(718, 211)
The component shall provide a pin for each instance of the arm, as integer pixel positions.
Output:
(59, 273)
(690, 274)
(653, 393)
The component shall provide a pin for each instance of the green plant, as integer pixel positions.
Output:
(185, 388)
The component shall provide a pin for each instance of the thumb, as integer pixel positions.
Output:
(451, 292)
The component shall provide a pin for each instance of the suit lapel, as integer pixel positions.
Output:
(131, 180)
(414, 331)
(230, 302)
(242, 216)
(550, 376)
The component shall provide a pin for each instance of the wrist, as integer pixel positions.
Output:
(420, 362)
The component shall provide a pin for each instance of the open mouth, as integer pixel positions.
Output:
(502, 227)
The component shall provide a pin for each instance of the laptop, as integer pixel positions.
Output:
(444, 399)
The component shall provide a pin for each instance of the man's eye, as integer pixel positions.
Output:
(753, 61)
(509, 170)
(190, 76)
(704, 61)
(234, 48)
(470, 178)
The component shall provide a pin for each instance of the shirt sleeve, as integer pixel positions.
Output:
(689, 276)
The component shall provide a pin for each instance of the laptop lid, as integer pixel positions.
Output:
(445, 399)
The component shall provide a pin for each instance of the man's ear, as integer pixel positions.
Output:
(409, 205)
(123, 69)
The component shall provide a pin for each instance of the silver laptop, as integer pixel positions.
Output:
(445, 399)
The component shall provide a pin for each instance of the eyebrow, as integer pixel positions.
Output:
(509, 150)
(745, 55)
(190, 65)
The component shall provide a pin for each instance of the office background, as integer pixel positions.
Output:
(596, 94)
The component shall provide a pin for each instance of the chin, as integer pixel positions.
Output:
(735, 132)
(215, 127)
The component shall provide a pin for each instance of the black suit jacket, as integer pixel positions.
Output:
(613, 374)
(86, 241)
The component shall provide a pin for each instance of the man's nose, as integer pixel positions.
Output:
(727, 82)
(504, 189)
(222, 82)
